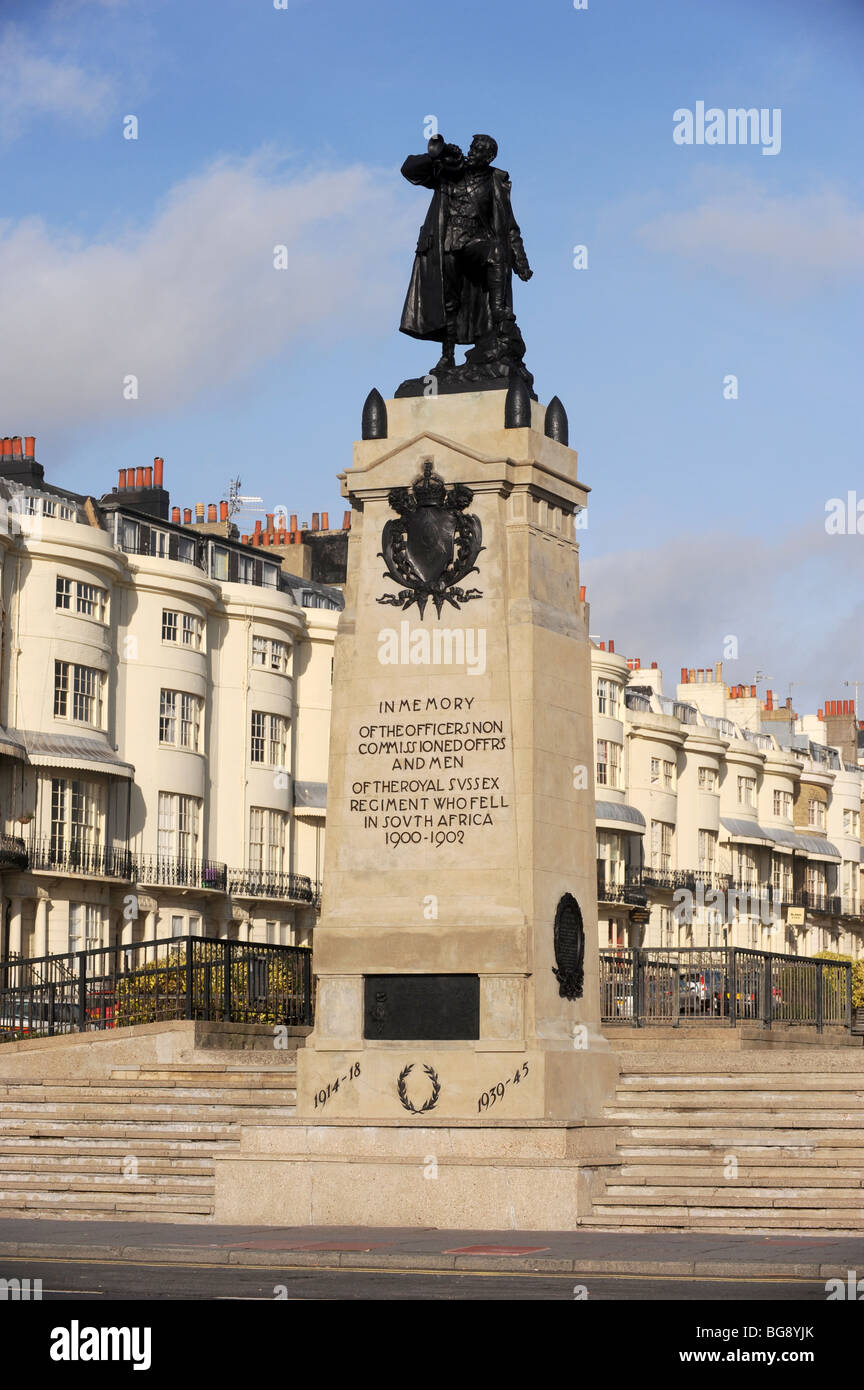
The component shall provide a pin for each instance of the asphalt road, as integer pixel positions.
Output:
(92, 1280)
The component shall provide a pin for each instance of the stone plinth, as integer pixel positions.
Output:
(460, 794)
(526, 1176)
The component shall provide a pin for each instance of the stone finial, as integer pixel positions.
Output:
(374, 422)
(517, 405)
(556, 426)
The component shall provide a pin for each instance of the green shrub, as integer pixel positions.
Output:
(156, 992)
(857, 975)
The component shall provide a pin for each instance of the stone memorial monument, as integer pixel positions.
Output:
(456, 1072)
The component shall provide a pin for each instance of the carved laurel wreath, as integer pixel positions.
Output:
(403, 1094)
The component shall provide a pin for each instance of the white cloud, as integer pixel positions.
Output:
(36, 85)
(192, 300)
(792, 602)
(779, 242)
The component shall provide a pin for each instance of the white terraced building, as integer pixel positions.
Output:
(715, 787)
(164, 701)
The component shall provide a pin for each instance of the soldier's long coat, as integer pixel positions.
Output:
(423, 315)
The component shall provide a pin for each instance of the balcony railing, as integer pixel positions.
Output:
(819, 901)
(624, 887)
(73, 857)
(13, 852)
(263, 883)
(171, 871)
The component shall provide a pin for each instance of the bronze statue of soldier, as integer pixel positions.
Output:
(461, 284)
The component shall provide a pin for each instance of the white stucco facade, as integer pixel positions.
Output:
(164, 742)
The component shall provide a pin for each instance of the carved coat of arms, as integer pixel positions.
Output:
(433, 545)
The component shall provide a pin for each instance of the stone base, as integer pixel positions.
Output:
(507, 1177)
(473, 1082)
(468, 376)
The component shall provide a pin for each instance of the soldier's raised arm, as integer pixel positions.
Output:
(441, 159)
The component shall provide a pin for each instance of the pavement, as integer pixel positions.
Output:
(584, 1252)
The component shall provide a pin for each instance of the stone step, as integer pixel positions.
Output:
(708, 1098)
(733, 1195)
(171, 1150)
(851, 1120)
(701, 1061)
(76, 1181)
(24, 1199)
(37, 1127)
(662, 1082)
(125, 1112)
(803, 1154)
(170, 1071)
(725, 1218)
(795, 1174)
(51, 1096)
(54, 1163)
(177, 1217)
(738, 1140)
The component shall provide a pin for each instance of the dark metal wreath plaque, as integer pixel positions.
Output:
(569, 948)
(432, 1099)
(433, 545)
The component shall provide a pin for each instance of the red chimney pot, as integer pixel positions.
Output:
(29, 446)
(158, 464)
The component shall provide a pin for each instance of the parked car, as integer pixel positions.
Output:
(694, 993)
(25, 1017)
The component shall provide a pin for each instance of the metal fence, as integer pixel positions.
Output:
(723, 985)
(191, 977)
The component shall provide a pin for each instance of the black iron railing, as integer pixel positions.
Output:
(190, 977)
(819, 901)
(74, 857)
(723, 984)
(620, 886)
(180, 872)
(262, 883)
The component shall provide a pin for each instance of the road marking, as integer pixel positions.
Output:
(441, 1273)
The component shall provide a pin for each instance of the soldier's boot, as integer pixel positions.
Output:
(447, 360)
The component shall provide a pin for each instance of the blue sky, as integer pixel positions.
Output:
(259, 127)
